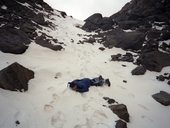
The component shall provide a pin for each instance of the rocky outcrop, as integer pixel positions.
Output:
(141, 26)
(154, 60)
(125, 40)
(44, 42)
(19, 21)
(128, 57)
(15, 77)
(138, 10)
(13, 40)
(97, 21)
(162, 97)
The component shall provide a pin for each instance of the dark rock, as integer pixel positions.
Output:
(124, 40)
(92, 22)
(115, 57)
(15, 77)
(124, 65)
(150, 45)
(128, 24)
(13, 41)
(41, 40)
(63, 14)
(142, 10)
(111, 101)
(162, 97)
(128, 57)
(160, 78)
(96, 21)
(124, 81)
(168, 82)
(106, 23)
(165, 35)
(154, 60)
(121, 111)
(120, 124)
(17, 123)
(101, 48)
(140, 70)
(106, 98)
(39, 18)
(91, 40)
(153, 34)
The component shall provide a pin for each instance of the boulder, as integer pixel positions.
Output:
(124, 40)
(121, 111)
(140, 70)
(97, 21)
(128, 57)
(162, 97)
(102, 48)
(154, 60)
(15, 77)
(13, 41)
(160, 78)
(120, 124)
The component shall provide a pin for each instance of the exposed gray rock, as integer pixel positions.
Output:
(140, 70)
(124, 40)
(120, 124)
(121, 111)
(97, 21)
(162, 97)
(160, 78)
(44, 42)
(154, 60)
(15, 77)
(13, 41)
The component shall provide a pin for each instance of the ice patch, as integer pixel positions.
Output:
(4, 7)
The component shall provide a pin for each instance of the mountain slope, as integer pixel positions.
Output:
(49, 103)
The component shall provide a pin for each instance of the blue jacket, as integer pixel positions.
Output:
(83, 84)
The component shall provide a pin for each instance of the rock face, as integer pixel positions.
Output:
(15, 77)
(154, 60)
(128, 57)
(121, 111)
(98, 21)
(13, 41)
(162, 97)
(125, 40)
(19, 21)
(138, 10)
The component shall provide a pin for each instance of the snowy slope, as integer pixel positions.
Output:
(49, 103)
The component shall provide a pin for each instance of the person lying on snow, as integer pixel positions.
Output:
(82, 85)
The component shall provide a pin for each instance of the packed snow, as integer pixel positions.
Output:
(49, 103)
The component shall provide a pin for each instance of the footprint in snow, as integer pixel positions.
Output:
(58, 120)
(48, 108)
(58, 75)
(55, 98)
(51, 88)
